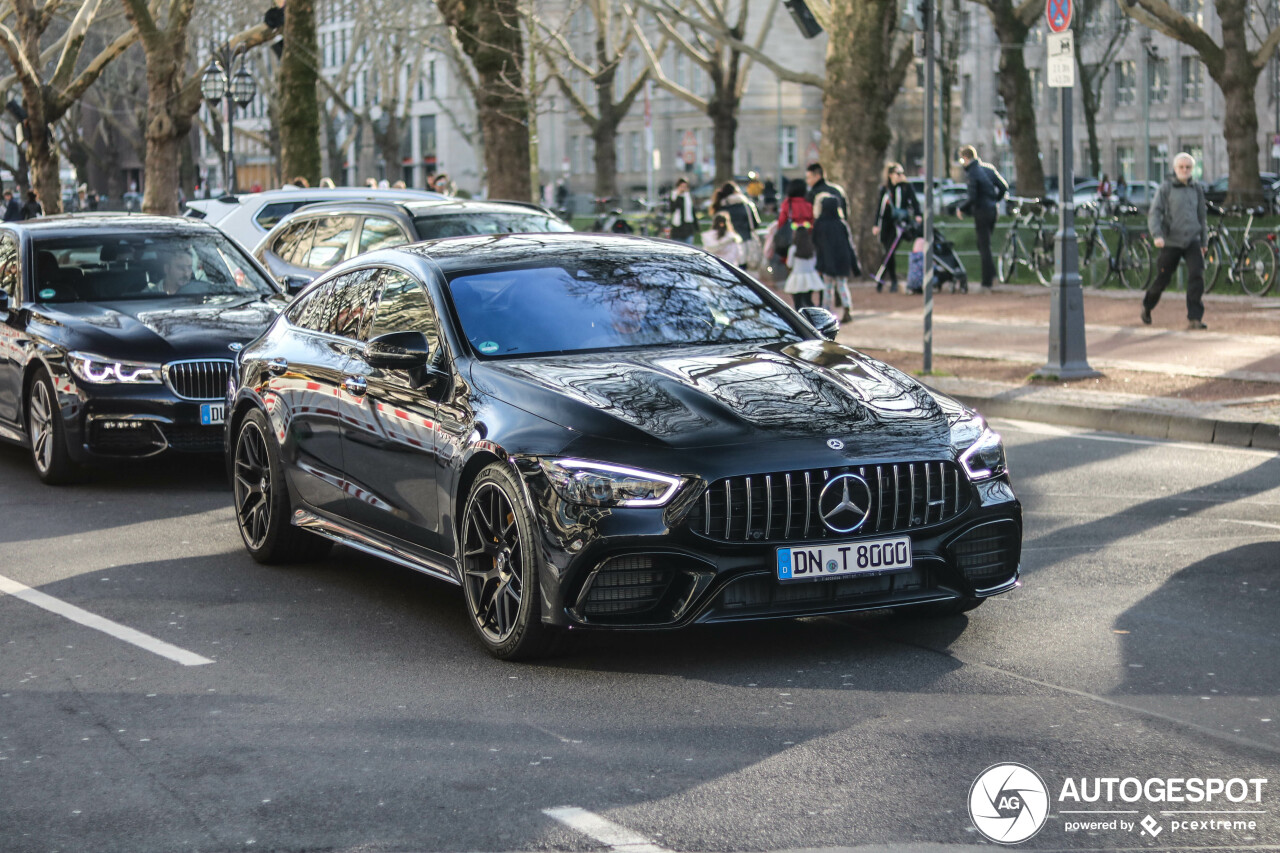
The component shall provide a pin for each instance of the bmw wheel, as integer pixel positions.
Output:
(262, 499)
(47, 434)
(500, 569)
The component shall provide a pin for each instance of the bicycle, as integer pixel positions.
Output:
(653, 221)
(1038, 257)
(1251, 263)
(1129, 261)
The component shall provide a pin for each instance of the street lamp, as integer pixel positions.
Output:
(239, 88)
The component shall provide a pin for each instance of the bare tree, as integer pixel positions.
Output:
(48, 93)
(298, 107)
(715, 40)
(1099, 36)
(1234, 67)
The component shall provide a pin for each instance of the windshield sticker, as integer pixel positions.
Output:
(48, 293)
(487, 347)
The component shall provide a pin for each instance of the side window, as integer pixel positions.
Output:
(329, 246)
(380, 233)
(10, 269)
(293, 250)
(310, 310)
(404, 307)
(352, 303)
(271, 214)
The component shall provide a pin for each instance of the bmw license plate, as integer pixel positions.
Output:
(841, 559)
(212, 413)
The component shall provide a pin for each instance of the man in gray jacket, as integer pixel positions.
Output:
(1179, 226)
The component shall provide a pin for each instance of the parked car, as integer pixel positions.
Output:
(1216, 192)
(247, 218)
(319, 236)
(594, 431)
(1139, 194)
(947, 195)
(119, 333)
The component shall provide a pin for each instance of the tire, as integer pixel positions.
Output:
(47, 434)
(1008, 260)
(1096, 262)
(1215, 260)
(1259, 270)
(1042, 261)
(501, 569)
(262, 499)
(1134, 266)
(943, 609)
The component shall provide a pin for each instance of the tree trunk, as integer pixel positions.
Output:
(299, 107)
(1238, 78)
(1089, 105)
(724, 134)
(166, 129)
(489, 31)
(855, 111)
(605, 135)
(389, 144)
(1014, 84)
(41, 151)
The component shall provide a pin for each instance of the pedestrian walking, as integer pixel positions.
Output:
(837, 259)
(897, 212)
(1122, 189)
(32, 208)
(742, 213)
(803, 282)
(723, 240)
(684, 214)
(986, 188)
(1179, 226)
(815, 178)
(12, 208)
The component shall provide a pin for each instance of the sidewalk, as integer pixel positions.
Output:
(1163, 381)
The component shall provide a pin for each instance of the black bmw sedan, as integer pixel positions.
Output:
(117, 335)
(587, 431)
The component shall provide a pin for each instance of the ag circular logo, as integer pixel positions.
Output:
(844, 503)
(1008, 803)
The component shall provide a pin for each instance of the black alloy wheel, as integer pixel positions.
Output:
(47, 433)
(500, 569)
(262, 500)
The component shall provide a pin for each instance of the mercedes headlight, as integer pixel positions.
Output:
(104, 371)
(982, 457)
(600, 484)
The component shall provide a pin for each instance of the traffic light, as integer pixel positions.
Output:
(809, 26)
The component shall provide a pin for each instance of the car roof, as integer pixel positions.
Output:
(423, 207)
(75, 223)
(319, 194)
(497, 250)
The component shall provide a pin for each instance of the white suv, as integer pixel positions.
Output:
(248, 217)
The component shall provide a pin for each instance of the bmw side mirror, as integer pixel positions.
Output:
(397, 351)
(822, 320)
(294, 284)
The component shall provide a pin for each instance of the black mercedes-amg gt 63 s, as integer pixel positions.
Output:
(588, 431)
(117, 335)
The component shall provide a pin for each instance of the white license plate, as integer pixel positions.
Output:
(212, 413)
(841, 559)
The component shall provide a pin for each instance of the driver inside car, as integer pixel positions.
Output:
(176, 272)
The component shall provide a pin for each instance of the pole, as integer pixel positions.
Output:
(929, 24)
(650, 179)
(782, 181)
(1146, 108)
(1066, 308)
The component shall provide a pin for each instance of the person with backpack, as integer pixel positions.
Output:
(897, 212)
(794, 211)
(986, 188)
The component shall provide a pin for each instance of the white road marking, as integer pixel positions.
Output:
(1265, 524)
(605, 831)
(1071, 432)
(98, 623)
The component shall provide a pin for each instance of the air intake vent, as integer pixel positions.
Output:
(624, 586)
(988, 554)
(199, 380)
(784, 506)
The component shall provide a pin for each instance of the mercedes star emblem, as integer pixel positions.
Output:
(835, 444)
(844, 503)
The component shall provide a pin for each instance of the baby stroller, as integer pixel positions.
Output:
(946, 266)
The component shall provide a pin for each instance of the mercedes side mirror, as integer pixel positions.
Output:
(294, 284)
(397, 351)
(822, 320)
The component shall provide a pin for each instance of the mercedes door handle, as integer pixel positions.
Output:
(276, 366)
(355, 385)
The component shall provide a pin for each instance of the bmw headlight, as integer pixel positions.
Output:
(103, 371)
(601, 484)
(984, 458)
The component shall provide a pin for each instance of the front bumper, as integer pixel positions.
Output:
(648, 569)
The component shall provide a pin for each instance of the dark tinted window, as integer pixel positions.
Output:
(460, 225)
(380, 233)
(329, 245)
(10, 274)
(404, 307)
(610, 304)
(271, 214)
(352, 303)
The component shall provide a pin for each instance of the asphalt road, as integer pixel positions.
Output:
(348, 708)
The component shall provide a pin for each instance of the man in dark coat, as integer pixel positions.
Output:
(12, 208)
(684, 213)
(837, 260)
(981, 205)
(816, 179)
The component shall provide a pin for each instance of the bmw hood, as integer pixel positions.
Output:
(160, 330)
(684, 397)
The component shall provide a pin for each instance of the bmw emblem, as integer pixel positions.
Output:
(235, 347)
(835, 444)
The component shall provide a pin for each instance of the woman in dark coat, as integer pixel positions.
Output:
(742, 213)
(896, 208)
(837, 259)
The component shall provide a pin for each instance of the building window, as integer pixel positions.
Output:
(1157, 162)
(789, 153)
(1195, 148)
(637, 161)
(1125, 77)
(682, 66)
(1158, 81)
(966, 92)
(1037, 99)
(1124, 162)
(575, 165)
(1193, 9)
(1192, 80)
(919, 75)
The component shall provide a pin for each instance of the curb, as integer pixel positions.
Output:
(1262, 436)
